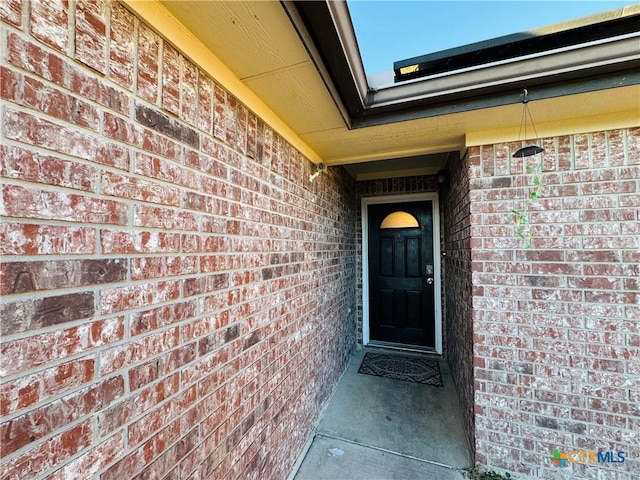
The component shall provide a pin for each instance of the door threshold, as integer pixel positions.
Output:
(402, 348)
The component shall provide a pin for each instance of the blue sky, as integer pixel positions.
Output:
(395, 30)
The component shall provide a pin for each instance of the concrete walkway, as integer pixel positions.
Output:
(382, 429)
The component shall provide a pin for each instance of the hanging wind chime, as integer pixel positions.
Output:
(529, 150)
(521, 217)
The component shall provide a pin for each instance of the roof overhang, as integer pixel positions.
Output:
(585, 55)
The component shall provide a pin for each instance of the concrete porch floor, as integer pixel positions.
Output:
(381, 429)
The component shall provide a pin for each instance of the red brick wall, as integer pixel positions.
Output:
(457, 290)
(556, 326)
(175, 290)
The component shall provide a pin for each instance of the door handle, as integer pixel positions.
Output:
(428, 271)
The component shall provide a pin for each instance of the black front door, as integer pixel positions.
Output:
(401, 275)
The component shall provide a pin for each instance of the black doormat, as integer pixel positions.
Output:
(409, 369)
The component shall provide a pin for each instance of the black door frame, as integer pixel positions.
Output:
(390, 199)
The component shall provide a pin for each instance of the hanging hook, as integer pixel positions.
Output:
(526, 115)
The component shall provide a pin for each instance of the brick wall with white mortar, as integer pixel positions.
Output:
(178, 299)
(457, 289)
(557, 326)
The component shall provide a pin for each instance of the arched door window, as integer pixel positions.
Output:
(399, 219)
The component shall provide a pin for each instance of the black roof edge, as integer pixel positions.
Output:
(513, 46)
(319, 24)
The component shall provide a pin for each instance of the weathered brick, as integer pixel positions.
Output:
(213, 186)
(37, 350)
(122, 46)
(554, 326)
(116, 415)
(137, 460)
(171, 70)
(627, 214)
(595, 282)
(204, 203)
(219, 123)
(143, 374)
(11, 12)
(148, 64)
(98, 90)
(252, 135)
(31, 203)
(205, 104)
(189, 92)
(205, 367)
(241, 134)
(633, 146)
(160, 145)
(33, 58)
(22, 277)
(155, 420)
(137, 188)
(11, 86)
(161, 123)
(579, 283)
(23, 164)
(203, 326)
(185, 445)
(162, 267)
(146, 347)
(26, 315)
(51, 453)
(32, 239)
(127, 241)
(148, 320)
(166, 170)
(36, 387)
(52, 67)
(136, 296)
(31, 130)
(212, 161)
(165, 218)
(190, 244)
(35, 424)
(176, 359)
(91, 33)
(94, 460)
(162, 466)
(231, 107)
(117, 128)
(606, 188)
(27, 91)
(49, 22)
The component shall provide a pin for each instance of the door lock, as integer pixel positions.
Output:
(428, 270)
